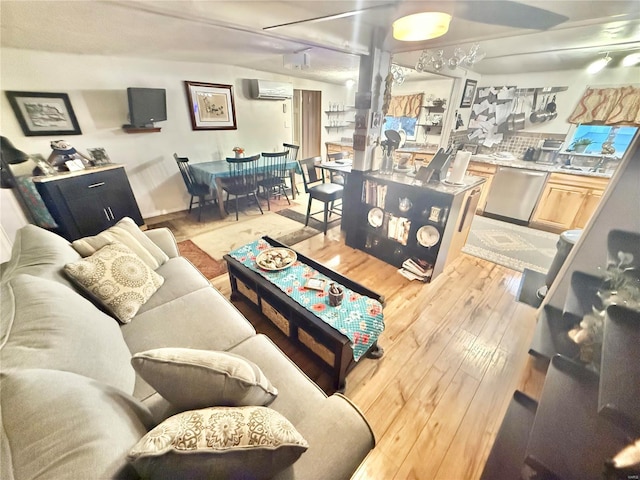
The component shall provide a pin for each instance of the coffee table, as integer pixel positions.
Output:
(330, 347)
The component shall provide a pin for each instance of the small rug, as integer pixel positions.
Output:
(512, 246)
(313, 222)
(209, 267)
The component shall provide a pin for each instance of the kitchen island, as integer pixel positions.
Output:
(397, 217)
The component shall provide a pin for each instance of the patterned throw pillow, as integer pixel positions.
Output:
(190, 378)
(117, 278)
(219, 443)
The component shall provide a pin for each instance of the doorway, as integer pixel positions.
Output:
(307, 118)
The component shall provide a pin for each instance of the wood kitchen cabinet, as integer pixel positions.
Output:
(487, 172)
(339, 147)
(85, 203)
(568, 201)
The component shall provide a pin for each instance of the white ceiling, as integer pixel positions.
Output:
(233, 32)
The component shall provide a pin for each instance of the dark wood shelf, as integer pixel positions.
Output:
(433, 108)
(508, 451)
(568, 436)
(619, 398)
(141, 129)
(582, 295)
(550, 337)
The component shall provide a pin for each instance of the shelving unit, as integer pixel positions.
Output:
(337, 118)
(429, 127)
(584, 416)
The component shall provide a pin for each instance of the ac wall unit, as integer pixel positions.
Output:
(267, 90)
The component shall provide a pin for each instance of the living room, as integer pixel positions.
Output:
(478, 359)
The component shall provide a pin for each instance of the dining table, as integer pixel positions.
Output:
(211, 173)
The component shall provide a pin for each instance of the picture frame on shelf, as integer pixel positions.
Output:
(44, 113)
(211, 106)
(99, 156)
(468, 93)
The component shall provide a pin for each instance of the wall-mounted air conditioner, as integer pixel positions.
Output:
(268, 90)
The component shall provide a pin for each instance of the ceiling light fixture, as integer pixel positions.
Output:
(421, 26)
(436, 59)
(631, 59)
(599, 64)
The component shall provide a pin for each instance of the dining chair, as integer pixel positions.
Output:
(293, 156)
(195, 189)
(317, 189)
(272, 175)
(242, 180)
(332, 157)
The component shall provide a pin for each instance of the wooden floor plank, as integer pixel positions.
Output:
(455, 349)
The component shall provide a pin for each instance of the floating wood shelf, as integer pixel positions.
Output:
(141, 129)
(550, 336)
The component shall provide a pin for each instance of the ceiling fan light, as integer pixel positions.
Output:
(598, 65)
(421, 26)
(631, 59)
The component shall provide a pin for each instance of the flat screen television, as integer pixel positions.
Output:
(146, 106)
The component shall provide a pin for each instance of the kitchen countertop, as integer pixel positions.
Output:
(470, 181)
(491, 160)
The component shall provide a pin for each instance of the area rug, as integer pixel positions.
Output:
(512, 246)
(313, 222)
(208, 266)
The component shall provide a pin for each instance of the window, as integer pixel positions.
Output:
(599, 134)
(408, 124)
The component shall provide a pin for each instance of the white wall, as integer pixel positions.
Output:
(576, 81)
(96, 86)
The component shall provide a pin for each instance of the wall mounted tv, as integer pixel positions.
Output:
(146, 106)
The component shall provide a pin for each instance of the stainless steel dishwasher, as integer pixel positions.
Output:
(515, 192)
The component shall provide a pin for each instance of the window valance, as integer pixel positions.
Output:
(608, 106)
(405, 105)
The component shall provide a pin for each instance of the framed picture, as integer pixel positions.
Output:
(41, 113)
(315, 283)
(211, 106)
(99, 156)
(469, 93)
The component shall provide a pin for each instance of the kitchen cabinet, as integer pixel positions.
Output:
(568, 201)
(85, 203)
(395, 219)
(337, 147)
(487, 172)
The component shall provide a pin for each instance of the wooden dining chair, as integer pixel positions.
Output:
(272, 175)
(293, 156)
(332, 157)
(317, 189)
(242, 180)
(195, 189)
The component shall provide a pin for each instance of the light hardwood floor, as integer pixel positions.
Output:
(455, 350)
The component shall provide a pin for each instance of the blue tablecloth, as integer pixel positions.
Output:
(207, 172)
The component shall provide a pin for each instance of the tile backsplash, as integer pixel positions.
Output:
(516, 143)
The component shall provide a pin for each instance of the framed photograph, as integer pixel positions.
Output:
(469, 93)
(211, 106)
(99, 156)
(470, 147)
(315, 283)
(41, 113)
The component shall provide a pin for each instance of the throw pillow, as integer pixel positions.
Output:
(127, 232)
(219, 443)
(191, 379)
(117, 278)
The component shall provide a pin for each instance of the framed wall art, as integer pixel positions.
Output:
(211, 106)
(468, 94)
(44, 113)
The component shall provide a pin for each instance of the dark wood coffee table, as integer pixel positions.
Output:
(323, 342)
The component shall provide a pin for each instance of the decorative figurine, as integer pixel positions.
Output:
(62, 153)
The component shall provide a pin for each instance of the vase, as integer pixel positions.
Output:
(239, 155)
(580, 148)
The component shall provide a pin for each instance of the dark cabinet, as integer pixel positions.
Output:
(88, 202)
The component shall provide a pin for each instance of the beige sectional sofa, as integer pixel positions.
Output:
(72, 406)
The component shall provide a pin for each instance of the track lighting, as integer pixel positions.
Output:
(599, 64)
(631, 59)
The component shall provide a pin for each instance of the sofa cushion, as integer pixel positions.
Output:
(127, 232)
(180, 278)
(48, 325)
(203, 319)
(41, 253)
(117, 278)
(190, 378)
(62, 425)
(219, 443)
